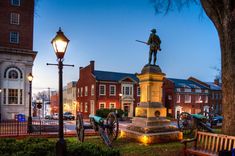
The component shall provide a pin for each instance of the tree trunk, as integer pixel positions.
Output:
(228, 74)
(222, 14)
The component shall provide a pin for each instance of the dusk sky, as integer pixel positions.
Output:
(105, 31)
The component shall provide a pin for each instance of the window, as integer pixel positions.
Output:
(138, 91)
(86, 107)
(12, 96)
(187, 99)
(187, 90)
(212, 96)
(14, 37)
(13, 74)
(81, 91)
(4, 96)
(206, 99)
(86, 90)
(112, 105)
(178, 98)
(92, 90)
(206, 91)
(21, 96)
(112, 90)
(102, 105)
(102, 90)
(81, 107)
(78, 92)
(127, 90)
(15, 2)
(178, 89)
(15, 18)
(198, 90)
(198, 99)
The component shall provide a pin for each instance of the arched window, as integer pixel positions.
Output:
(13, 74)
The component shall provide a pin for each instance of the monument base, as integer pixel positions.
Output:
(151, 138)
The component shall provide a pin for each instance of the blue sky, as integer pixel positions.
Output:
(106, 30)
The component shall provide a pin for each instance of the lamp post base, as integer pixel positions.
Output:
(30, 124)
(61, 147)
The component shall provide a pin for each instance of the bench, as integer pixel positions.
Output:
(208, 144)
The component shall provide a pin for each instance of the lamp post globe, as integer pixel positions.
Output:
(30, 78)
(60, 43)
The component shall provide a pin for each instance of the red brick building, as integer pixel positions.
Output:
(54, 100)
(182, 95)
(215, 93)
(16, 56)
(103, 89)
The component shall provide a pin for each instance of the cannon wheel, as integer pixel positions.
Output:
(112, 126)
(185, 123)
(80, 127)
(104, 136)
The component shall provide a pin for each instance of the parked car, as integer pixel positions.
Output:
(68, 116)
(55, 116)
(49, 117)
(217, 120)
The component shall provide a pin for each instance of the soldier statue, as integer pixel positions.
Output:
(154, 43)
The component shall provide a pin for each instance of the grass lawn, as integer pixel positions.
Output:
(129, 147)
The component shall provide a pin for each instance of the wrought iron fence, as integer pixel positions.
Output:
(39, 127)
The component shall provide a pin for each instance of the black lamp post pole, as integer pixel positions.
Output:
(30, 103)
(61, 144)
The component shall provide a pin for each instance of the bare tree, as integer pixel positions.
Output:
(222, 14)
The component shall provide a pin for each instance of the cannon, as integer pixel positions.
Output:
(201, 121)
(107, 128)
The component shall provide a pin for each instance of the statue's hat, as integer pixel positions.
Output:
(153, 30)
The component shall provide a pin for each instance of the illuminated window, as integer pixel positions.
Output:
(78, 92)
(112, 105)
(86, 90)
(14, 37)
(206, 99)
(187, 99)
(101, 105)
(15, 18)
(178, 98)
(86, 107)
(92, 90)
(81, 92)
(198, 99)
(112, 90)
(12, 96)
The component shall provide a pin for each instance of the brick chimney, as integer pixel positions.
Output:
(92, 66)
(216, 81)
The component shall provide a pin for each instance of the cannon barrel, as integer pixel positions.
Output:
(97, 119)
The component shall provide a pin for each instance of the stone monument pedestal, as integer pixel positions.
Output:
(150, 124)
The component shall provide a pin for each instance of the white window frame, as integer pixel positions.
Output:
(15, 2)
(114, 86)
(86, 90)
(102, 85)
(138, 91)
(15, 18)
(14, 37)
(124, 89)
(114, 104)
(92, 90)
(177, 98)
(187, 101)
(102, 103)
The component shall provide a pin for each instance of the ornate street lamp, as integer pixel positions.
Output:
(30, 78)
(60, 43)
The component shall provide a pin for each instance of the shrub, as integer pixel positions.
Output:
(104, 112)
(46, 147)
